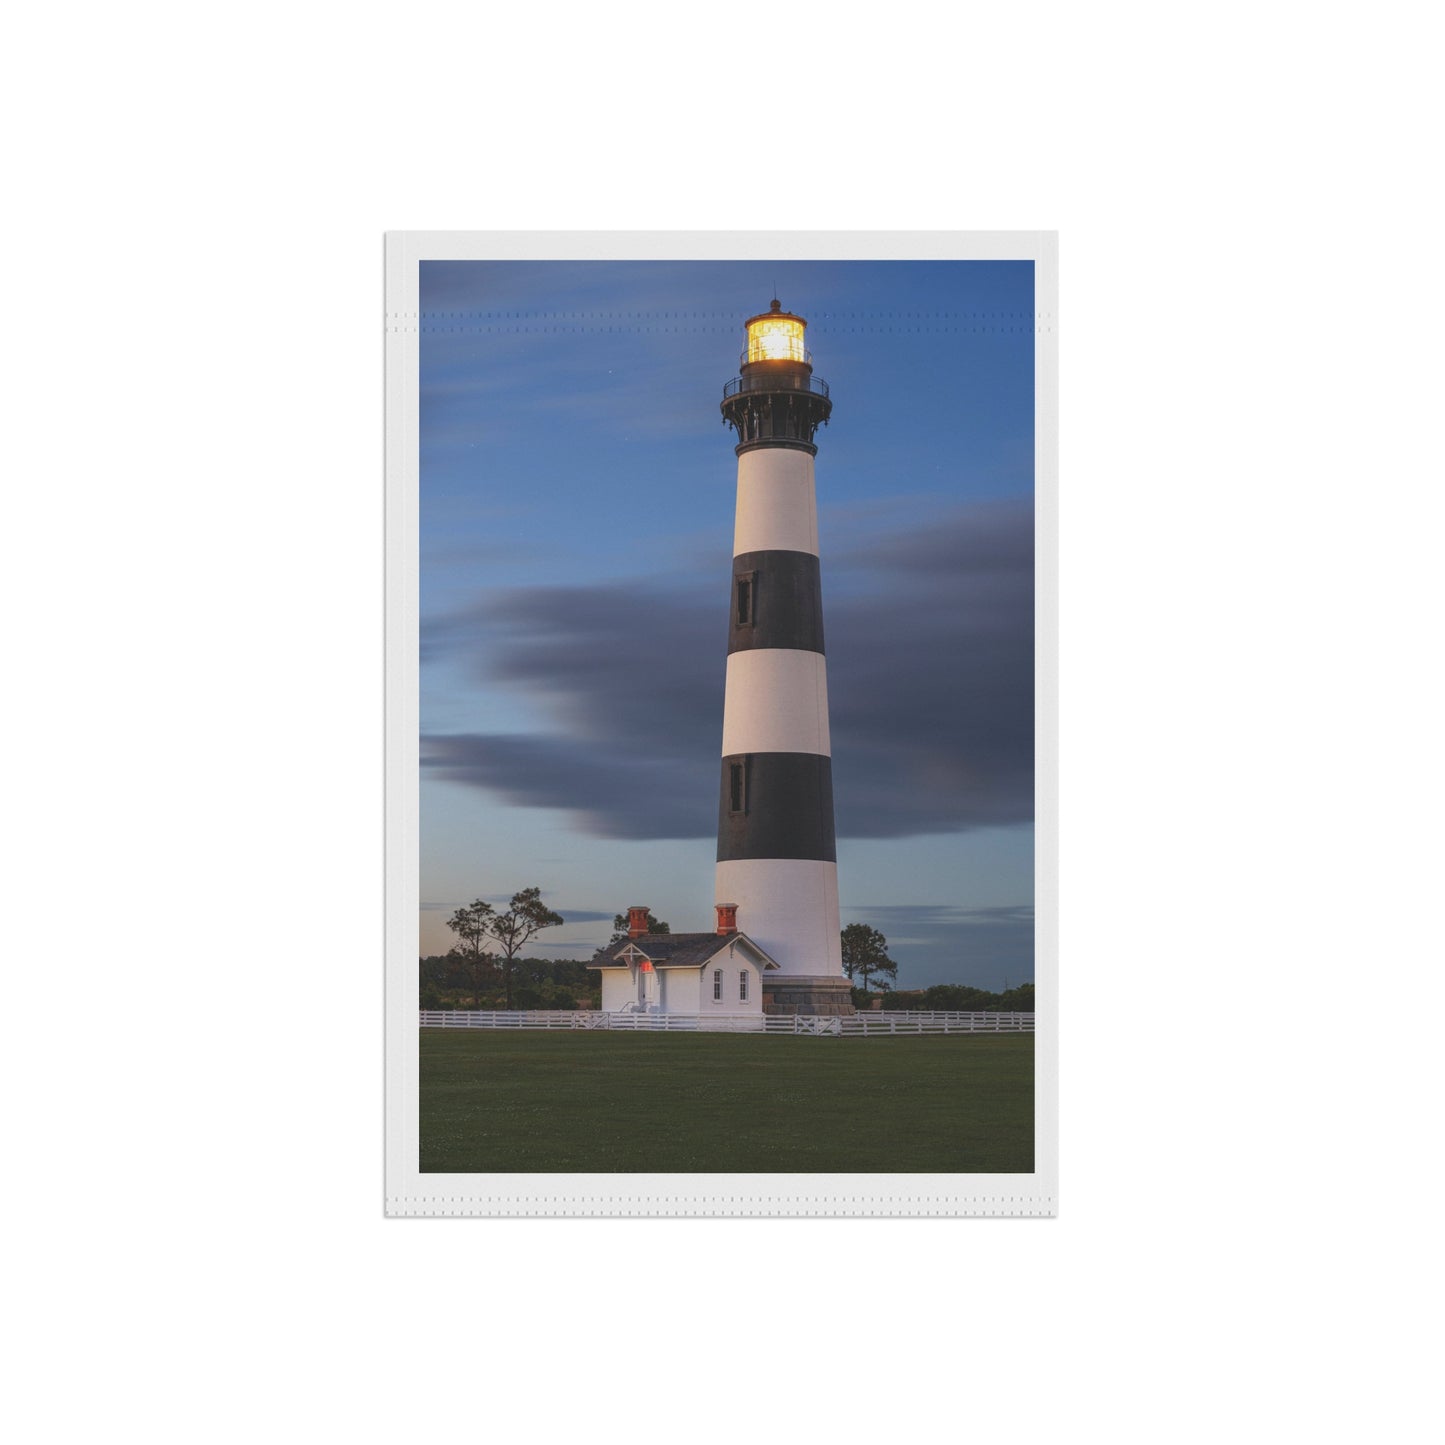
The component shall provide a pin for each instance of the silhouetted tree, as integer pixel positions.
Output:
(471, 926)
(865, 952)
(526, 916)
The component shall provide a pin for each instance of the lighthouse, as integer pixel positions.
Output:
(776, 854)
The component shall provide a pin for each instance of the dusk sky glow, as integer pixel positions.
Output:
(577, 490)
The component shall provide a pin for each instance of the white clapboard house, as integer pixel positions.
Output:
(719, 974)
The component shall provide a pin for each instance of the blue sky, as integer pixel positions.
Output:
(577, 490)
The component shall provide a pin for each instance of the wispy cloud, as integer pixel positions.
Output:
(571, 915)
(935, 917)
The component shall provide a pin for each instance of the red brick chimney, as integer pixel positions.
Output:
(636, 922)
(727, 917)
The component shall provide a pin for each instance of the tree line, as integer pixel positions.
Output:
(543, 983)
(484, 965)
(958, 998)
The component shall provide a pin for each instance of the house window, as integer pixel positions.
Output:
(717, 986)
(743, 986)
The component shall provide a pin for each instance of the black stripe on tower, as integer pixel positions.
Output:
(776, 805)
(777, 602)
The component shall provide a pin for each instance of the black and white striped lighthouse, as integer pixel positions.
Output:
(776, 856)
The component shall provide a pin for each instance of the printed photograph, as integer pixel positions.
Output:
(727, 658)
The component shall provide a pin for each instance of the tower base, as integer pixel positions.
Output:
(801, 994)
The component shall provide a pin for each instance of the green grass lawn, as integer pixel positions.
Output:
(674, 1103)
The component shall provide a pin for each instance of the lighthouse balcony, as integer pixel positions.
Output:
(779, 379)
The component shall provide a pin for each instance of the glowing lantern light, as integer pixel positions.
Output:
(776, 336)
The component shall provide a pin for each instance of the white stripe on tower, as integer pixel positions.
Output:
(776, 702)
(777, 505)
(795, 904)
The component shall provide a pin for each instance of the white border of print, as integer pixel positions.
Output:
(408, 1192)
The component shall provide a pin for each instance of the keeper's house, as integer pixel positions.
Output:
(717, 974)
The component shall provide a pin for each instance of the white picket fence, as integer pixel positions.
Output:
(869, 1024)
(861, 1025)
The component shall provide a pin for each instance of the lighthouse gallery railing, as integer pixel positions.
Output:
(786, 381)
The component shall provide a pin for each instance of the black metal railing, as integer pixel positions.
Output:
(776, 381)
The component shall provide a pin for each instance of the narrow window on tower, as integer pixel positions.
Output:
(743, 986)
(717, 986)
(737, 787)
(747, 588)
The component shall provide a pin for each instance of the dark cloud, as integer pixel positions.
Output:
(930, 680)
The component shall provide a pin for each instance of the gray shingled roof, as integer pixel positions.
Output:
(671, 950)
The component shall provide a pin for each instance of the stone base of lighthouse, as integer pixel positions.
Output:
(800, 994)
